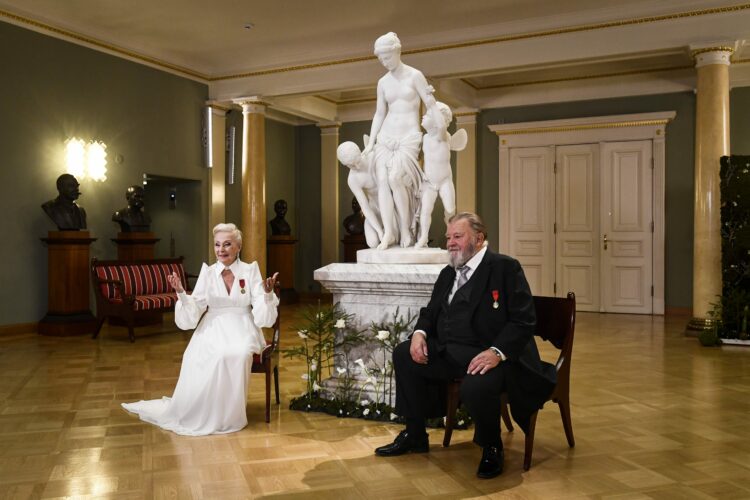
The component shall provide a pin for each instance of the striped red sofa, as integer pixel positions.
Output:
(129, 289)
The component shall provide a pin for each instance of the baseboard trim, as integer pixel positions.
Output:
(678, 311)
(18, 329)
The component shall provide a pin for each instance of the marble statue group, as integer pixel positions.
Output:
(396, 194)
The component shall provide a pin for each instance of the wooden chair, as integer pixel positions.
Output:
(555, 322)
(268, 360)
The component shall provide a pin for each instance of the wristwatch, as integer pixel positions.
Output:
(498, 352)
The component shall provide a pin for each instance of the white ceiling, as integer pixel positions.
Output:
(208, 41)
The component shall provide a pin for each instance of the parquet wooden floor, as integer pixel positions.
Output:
(654, 415)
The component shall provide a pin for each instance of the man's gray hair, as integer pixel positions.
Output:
(230, 228)
(475, 222)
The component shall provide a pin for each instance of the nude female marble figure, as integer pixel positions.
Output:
(396, 138)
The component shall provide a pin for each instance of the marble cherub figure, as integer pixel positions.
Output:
(437, 145)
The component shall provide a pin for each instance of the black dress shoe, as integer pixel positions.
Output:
(404, 443)
(491, 464)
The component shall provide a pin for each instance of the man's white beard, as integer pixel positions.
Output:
(462, 258)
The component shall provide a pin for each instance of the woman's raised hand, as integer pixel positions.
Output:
(269, 283)
(175, 282)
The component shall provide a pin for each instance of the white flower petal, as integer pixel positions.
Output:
(341, 323)
(302, 334)
(341, 371)
(366, 412)
(383, 334)
(305, 376)
(394, 416)
(316, 387)
(364, 402)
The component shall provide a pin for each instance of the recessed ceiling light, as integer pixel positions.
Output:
(248, 26)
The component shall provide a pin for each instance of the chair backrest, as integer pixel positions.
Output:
(556, 322)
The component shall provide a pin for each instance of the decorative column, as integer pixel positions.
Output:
(253, 220)
(711, 143)
(217, 174)
(329, 193)
(466, 162)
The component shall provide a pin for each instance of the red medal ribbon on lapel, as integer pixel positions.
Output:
(242, 285)
(495, 297)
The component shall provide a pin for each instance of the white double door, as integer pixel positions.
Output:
(581, 220)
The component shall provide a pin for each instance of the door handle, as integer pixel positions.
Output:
(605, 241)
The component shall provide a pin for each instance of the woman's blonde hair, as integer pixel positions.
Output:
(230, 228)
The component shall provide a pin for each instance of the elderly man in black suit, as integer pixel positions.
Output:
(479, 325)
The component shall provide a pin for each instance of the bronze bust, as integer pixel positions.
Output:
(354, 223)
(63, 210)
(133, 218)
(279, 225)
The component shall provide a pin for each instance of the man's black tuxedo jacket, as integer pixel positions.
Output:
(509, 327)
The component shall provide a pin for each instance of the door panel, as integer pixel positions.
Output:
(532, 215)
(626, 218)
(577, 217)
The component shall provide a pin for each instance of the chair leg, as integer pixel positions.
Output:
(567, 422)
(529, 442)
(505, 414)
(131, 325)
(450, 412)
(99, 327)
(276, 383)
(268, 394)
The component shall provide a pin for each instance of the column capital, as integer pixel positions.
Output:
(329, 128)
(719, 52)
(252, 104)
(217, 109)
(465, 116)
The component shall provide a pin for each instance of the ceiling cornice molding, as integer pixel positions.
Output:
(95, 43)
(499, 39)
(101, 45)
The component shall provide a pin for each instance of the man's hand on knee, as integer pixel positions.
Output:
(418, 348)
(483, 362)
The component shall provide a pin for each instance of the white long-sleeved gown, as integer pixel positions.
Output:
(211, 392)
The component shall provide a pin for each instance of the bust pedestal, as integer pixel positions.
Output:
(68, 311)
(280, 254)
(135, 246)
(352, 244)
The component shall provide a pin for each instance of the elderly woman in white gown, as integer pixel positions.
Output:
(211, 392)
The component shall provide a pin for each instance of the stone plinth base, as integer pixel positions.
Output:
(403, 256)
(373, 293)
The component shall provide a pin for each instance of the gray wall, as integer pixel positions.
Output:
(739, 101)
(307, 180)
(52, 90)
(679, 172)
(169, 223)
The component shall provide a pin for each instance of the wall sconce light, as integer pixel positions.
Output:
(86, 160)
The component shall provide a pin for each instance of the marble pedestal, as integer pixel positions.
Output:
(373, 291)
